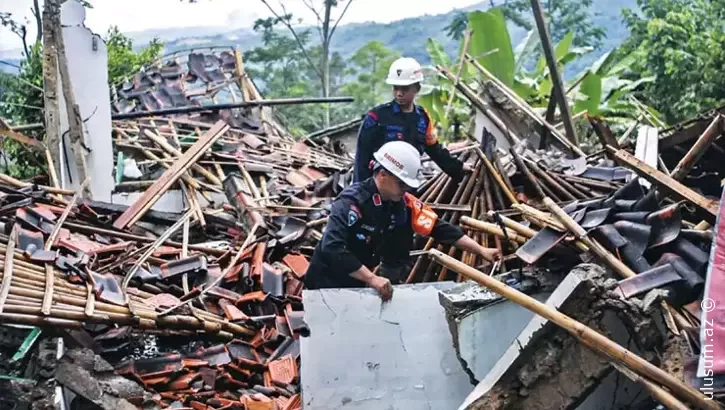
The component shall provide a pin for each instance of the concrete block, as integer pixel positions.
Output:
(88, 69)
(545, 367)
(362, 354)
(481, 337)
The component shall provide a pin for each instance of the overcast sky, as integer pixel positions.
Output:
(137, 15)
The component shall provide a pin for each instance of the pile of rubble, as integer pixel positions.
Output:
(189, 284)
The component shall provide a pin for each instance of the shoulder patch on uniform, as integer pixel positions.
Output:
(353, 215)
(370, 120)
(377, 200)
(430, 135)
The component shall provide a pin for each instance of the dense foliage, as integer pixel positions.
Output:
(682, 44)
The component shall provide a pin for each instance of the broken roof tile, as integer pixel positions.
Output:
(283, 371)
(297, 263)
(232, 312)
(215, 355)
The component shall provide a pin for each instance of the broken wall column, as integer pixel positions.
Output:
(87, 58)
(546, 367)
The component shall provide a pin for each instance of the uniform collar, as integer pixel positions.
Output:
(372, 189)
(377, 200)
(397, 109)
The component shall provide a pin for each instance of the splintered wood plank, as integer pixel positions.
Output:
(155, 191)
(665, 182)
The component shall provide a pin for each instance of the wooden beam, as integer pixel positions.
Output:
(554, 72)
(523, 105)
(664, 182)
(50, 87)
(685, 165)
(154, 193)
(604, 133)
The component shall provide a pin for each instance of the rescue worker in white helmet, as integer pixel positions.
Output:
(374, 221)
(402, 120)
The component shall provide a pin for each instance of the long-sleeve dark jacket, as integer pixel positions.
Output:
(387, 122)
(362, 229)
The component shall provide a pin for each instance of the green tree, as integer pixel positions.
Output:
(564, 16)
(682, 44)
(21, 101)
(370, 65)
(320, 61)
(281, 69)
(601, 89)
(123, 61)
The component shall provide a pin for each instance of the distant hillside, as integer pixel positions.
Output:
(406, 36)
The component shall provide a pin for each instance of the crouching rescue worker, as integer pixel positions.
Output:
(402, 120)
(373, 221)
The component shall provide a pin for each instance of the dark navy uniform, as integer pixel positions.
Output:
(362, 229)
(388, 122)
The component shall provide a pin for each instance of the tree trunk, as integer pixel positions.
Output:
(325, 66)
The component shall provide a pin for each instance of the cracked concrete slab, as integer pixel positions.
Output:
(547, 368)
(483, 335)
(362, 354)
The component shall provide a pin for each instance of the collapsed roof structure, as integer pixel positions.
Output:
(186, 289)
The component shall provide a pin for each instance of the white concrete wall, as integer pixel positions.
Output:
(482, 121)
(88, 66)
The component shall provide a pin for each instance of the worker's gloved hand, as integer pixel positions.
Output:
(393, 272)
(467, 168)
(384, 288)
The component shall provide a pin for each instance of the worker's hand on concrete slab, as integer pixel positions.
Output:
(384, 287)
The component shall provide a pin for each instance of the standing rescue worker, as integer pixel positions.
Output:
(374, 220)
(402, 120)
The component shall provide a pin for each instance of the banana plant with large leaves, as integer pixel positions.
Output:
(600, 89)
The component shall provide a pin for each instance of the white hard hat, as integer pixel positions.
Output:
(405, 71)
(400, 159)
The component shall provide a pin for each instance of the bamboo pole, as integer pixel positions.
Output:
(8, 269)
(207, 323)
(688, 161)
(461, 62)
(20, 184)
(497, 177)
(519, 228)
(617, 265)
(49, 271)
(546, 177)
(161, 142)
(493, 229)
(597, 341)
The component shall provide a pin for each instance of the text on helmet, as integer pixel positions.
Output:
(393, 160)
